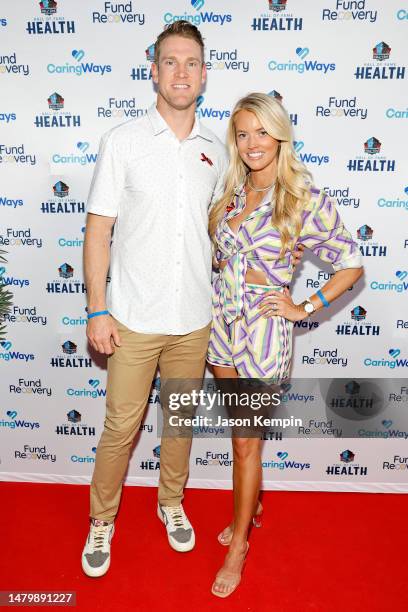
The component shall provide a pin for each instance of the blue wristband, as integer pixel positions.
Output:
(98, 314)
(323, 300)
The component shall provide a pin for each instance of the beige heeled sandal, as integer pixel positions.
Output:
(231, 583)
(225, 537)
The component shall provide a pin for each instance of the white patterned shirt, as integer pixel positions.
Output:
(160, 191)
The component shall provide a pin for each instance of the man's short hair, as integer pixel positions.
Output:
(179, 28)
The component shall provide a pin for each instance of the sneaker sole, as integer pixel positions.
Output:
(178, 546)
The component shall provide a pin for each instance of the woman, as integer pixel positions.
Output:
(269, 206)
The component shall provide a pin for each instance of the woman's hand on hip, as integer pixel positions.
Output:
(280, 304)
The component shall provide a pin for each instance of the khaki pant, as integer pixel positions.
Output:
(131, 371)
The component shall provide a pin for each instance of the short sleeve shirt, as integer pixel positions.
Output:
(160, 190)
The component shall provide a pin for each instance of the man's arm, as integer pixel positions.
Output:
(101, 330)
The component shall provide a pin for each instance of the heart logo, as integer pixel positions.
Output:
(2, 270)
(83, 146)
(286, 387)
(394, 352)
(387, 423)
(298, 145)
(11, 413)
(94, 383)
(401, 274)
(282, 454)
(302, 52)
(199, 101)
(5, 345)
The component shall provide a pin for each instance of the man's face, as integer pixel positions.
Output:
(180, 72)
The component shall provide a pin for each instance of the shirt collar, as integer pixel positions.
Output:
(159, 125)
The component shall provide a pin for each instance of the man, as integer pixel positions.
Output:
(154, 182)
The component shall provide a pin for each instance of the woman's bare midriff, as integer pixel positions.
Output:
(252, 276)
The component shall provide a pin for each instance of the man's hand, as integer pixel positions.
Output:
(297, 255)
(102, 334)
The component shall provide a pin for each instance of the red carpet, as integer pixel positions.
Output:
(323, 552)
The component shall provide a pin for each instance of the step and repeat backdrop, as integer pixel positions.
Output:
(70, 71)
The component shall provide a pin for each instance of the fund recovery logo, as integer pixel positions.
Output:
(93, 390)
(118, 13)
(24, 314)
(7, 353)
(372, 160)
(341, 108)
(343, 196)
(308, 157)
(32, 387)
(79, 68)
(380, 67)
(277, 17)
(396, 463)
(125, 108)
(56, 116)
(396, 203)
(81, 156)
(49, 22)
(12, 422)
(61, 202)
(283, 463)
(345, 10)
(35, 453)
(211, 458)
(302, 67)
(195, 14)
(9, 64)
(16, 154)
(20, 238)
(220, 59)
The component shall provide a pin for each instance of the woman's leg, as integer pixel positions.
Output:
(246, 481)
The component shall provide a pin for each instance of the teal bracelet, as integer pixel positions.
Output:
(320, 295)
(98, 314)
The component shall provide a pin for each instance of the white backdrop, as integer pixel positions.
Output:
(69, 71)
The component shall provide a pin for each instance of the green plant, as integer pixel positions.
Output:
(5, 298)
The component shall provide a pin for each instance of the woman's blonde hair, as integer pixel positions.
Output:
(293, 181)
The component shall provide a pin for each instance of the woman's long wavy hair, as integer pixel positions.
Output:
(293, 181)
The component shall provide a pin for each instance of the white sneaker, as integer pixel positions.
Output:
(96, 554)
(180, 532)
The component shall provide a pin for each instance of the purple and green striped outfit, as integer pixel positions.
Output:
(257, 346)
